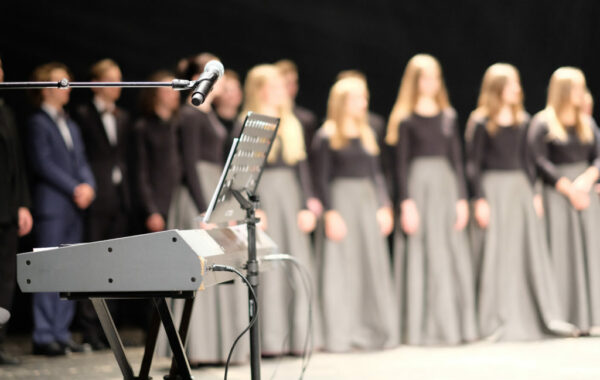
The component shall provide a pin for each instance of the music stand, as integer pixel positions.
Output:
(235, 199)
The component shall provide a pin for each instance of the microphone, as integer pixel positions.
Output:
(4, 316)
(212, 72)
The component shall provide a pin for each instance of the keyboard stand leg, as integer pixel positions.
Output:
(183, 330)
(113, 337)
(183, 367)
(150, 347)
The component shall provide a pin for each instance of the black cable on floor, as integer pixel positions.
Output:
(227, 268)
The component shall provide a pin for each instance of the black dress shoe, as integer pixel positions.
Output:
(96, 345)
(49, 349)
(71, 346)
(7, 359)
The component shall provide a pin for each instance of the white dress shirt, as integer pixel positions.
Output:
(61, 121)
(109, 121)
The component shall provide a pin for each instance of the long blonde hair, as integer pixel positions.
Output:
(559, 97)
(336, 114)
(408, 94)
(290, 137)
(490, 98)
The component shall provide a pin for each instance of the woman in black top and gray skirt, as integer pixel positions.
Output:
(355, 273)
(517, 298)
(220, 312)
(433, 268)
(565, 145)
(202, 138)
(286, 197)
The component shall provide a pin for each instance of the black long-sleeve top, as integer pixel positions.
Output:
(436, 136)
(202, 138)
(159, 168)
(352, 161)
(14, 192)
(548, 153)
(504, 150)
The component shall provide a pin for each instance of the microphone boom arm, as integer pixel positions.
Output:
(175, 84)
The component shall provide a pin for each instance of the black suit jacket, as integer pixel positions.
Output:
(13, 180)
(103, 157)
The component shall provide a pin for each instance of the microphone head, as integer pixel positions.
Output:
(216, 67)
(4, 316)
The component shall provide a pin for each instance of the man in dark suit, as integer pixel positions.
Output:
(15, 218)
(106, 133)
(63, 188)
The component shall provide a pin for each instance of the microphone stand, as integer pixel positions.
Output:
(178, 85)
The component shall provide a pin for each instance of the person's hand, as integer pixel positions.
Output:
(385, 220)
(83, 195)
(202, 225)
(582, 184)
(25, 221)
(264, 223)
(482, 213)
(409, 217)
(206, 226)
(462, 215)
(155, 222)
(586, 180)
(315, 205)
(579, 199)
(306, 221)
(538, 205)
(335, 227)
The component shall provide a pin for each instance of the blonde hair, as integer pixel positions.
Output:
(286, 66)
(101, 67)
(559, 97)
(408, 94)
(336, 112)
(490, 98)
(43, 73)
(351, 74)
(589, 102)
(290, 136)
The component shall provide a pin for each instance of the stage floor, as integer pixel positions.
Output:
(563, 359)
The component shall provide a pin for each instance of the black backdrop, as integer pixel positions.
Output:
(323, 37)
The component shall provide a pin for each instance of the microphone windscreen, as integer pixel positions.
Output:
(215, 66)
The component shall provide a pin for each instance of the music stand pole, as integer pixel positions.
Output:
(235, 199)
(250, 205)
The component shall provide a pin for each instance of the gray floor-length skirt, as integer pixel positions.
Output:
(433, 270)
(574, 239)
(517, 297)
(282, 297)
(357, 291)
(220, 312)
